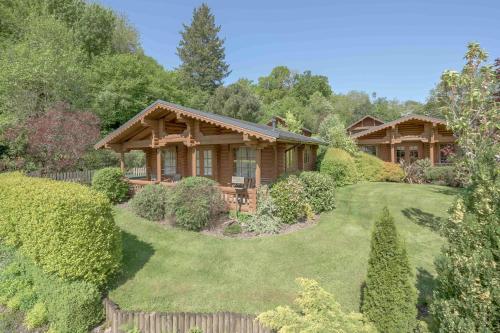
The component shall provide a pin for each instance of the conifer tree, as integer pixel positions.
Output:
(390, 296)
(202, 52)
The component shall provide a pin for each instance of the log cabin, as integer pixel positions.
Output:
(239, 155)
(405, 139)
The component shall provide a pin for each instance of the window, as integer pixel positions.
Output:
(207, 163)
(446, 151)
(413, 153)
(198, 162)
(400, 154)
(289, 159)
(372, 150)
(169, 162)
(307, 155)
(244, 162)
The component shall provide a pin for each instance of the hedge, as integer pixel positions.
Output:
(340, 165)
(319, 190)
(369, 167)
(65, 228)
(110, 182)
(289, 197)
(150, 202)
(68, 307)
(194, 201)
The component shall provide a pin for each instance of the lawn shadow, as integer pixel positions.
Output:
(446, 190)
(425, 219)
(362, 290)
(136, 254)
(425, 284)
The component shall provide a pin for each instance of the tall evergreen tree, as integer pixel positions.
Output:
(202, 51)
(390, 297)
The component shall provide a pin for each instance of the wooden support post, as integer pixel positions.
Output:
(258, 166)
(276, 171)
(158, 165)
(431, 152)
(122, 161)
(148, 164)
(393, 153)
(193, 160)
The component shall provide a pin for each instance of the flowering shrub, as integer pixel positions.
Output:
(289, 196)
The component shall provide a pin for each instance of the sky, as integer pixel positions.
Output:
(396, 48)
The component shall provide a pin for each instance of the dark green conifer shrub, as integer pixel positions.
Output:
(390, 296)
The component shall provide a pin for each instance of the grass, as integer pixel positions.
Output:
(176, 270)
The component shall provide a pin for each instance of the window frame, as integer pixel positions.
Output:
(244, 164)
(172, 152)
(375, 152)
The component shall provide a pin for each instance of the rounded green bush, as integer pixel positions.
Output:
(442, 175)
(65, 228)
(319, 190)
(392, 172)
(369, 167)
(36, 317)
(289, 197)
(110, 182)
(150, 203)
(340, 165)
(194, 201)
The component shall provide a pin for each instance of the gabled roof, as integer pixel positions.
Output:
(365, 117)
(283, 122)
(399, 121)
(259, 130)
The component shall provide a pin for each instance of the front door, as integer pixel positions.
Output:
(409, 152)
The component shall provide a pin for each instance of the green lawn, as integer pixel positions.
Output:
(176, 270)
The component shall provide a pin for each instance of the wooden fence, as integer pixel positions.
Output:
(222, 322)
(83, 177)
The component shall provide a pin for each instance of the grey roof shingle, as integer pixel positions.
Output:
(266, 130)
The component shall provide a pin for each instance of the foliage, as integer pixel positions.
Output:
(318, 313)
(289, 197)
(195, 330)
(389, 297)
(307, 84)
(232, 229)
(44, 67)
(95, 28)
(37, 316)
(265, 220)
(98, 159)
(57, 139)
(65, 228)
(341, 166)
(236, 101)
(202, 52)
(467, 296)
(150, 202)
(293, 124)
(319, 190)
(369, 167)
(123, 84)
(392, 172)
(194, 201)
(442, 175)
(276, 85)
(332, 130)
(415, 171)
(69, 307)
(111, 183)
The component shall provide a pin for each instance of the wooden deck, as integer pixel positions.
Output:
(244, 200)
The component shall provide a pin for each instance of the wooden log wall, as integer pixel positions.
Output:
(221, 322)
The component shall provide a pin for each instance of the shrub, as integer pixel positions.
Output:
(319, 190)
(65, 228)
(290, 199)
(340, 165)
(194, 201)
(318, 312)
(265, 219)
(442, 175)
(369, 167)
(415, 171)
(110, 182)
(36, 317)
(151, 202)
(391, 172)
(389, 297)
(69, 307)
